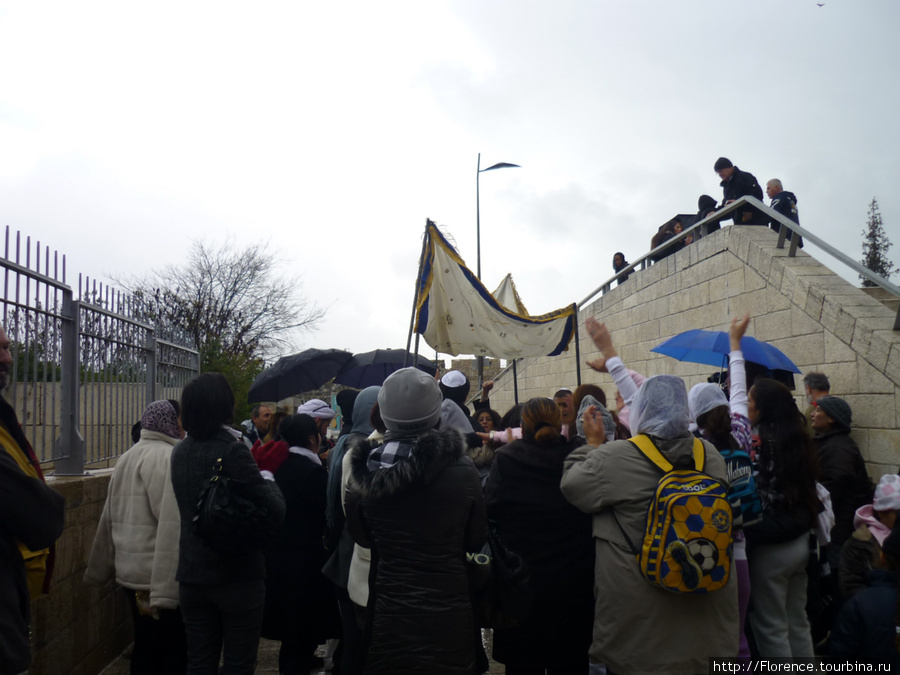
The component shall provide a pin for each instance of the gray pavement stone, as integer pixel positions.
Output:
(268, 659)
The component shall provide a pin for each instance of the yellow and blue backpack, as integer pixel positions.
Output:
(687, 545)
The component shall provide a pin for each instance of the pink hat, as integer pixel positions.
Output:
(887, 494)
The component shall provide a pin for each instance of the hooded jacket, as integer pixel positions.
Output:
(639, 627)
(785, 203)
(339, 541)
(705, 206)
(860, 554)
(419, 517)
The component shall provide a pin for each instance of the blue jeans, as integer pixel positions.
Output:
(229, 614)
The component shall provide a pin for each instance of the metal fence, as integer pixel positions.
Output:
(83, 369)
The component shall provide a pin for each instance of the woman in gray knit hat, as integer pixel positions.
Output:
(416, 502)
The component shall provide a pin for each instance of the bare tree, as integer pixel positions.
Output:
(876, 246)
(232, 301)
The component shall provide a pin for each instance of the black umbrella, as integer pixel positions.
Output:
(372, 368)
(297, 373)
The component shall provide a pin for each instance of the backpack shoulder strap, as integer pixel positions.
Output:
(643, 443)
(699, 455)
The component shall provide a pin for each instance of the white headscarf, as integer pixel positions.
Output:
(660, 408)
(705, 397)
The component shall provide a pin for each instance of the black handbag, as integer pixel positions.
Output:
(225, 519)
(505, 598)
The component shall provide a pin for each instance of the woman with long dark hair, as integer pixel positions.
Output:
(778, 546)
(554, 539)
(619, 264)
(222, 593)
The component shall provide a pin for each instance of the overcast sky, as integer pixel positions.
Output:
(333, 130)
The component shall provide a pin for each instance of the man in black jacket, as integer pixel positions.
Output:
(736, 184)
(784, 203)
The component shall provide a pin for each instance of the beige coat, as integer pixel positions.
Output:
(137, 538)
(638, 627)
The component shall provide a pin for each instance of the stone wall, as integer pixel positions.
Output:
(816, 318)
(469, 368)
(79, 629)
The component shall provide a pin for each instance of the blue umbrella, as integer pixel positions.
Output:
(712, 348)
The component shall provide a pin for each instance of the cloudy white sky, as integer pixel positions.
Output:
(333, 130)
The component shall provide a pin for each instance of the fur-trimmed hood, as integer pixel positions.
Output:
(431, 454)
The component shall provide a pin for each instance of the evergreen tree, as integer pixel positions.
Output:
(875, 246)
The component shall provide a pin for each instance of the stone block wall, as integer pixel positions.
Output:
(819, 320)
(79, 629)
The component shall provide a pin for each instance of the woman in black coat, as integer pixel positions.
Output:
(221, 593)
(554, 539)
(842, 469)
(299, 599)
(416, 502)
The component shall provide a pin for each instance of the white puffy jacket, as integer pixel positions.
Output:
(137, 538)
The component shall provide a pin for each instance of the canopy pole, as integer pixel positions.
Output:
(515, 382)
(577, 349)
(417, 346)
(412, 318)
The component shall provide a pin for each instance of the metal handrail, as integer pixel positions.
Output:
(701, 228)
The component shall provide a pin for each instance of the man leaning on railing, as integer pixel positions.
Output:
(784, 203)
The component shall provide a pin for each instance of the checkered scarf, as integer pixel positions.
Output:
(388, 454)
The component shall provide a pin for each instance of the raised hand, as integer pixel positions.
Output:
(592, 425)
(736, 331)
(600, 336)
(597, 364)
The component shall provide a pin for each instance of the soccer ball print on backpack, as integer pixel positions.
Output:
(687, 545)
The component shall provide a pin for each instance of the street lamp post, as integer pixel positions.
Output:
(479, 171)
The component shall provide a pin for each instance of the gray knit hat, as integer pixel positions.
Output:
(410, 401)
(837, 409)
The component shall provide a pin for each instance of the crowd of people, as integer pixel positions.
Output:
(398, 545)
(735, 184)
(380, 545)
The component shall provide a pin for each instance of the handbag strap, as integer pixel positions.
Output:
(217, 471)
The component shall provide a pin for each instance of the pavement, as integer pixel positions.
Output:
(268, 659)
